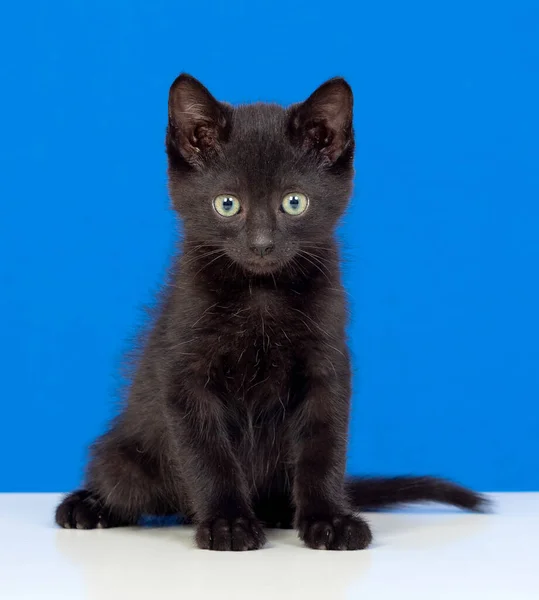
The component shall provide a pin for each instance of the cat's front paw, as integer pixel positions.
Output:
(341, 532)
(230, 534)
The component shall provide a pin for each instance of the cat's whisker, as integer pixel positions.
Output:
(322, 270)
(202, 257)
(319, 260)
(221, 255)
(298, 267)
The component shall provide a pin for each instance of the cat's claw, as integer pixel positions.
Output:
(343, 532)
(230, 534)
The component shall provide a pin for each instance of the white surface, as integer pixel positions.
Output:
(421, 553)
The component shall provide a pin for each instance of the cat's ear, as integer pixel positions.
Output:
(323, 123)
(198, 124)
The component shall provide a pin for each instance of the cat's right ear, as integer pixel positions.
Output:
(198, 124)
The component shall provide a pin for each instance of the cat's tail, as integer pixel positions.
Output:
(367, 493)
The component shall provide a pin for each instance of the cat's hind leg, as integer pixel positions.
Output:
(124, 483)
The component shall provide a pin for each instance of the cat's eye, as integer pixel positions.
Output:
(227, 205)
(295, 203)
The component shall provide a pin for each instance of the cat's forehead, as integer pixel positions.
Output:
(259, 143)
(248, 119)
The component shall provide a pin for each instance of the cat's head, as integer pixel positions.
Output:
(260, 183)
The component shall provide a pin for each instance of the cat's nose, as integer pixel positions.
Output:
(262, 248)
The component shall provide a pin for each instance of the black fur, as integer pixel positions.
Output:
(237, 414)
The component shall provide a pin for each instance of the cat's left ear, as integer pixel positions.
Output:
(323, 123)
(198, 124)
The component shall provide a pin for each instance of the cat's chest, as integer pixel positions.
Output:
(259, 338)
(257, 349)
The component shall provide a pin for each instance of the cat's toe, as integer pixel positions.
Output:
(230, 534)
(351, 533)
(80, 510)
(342, 532)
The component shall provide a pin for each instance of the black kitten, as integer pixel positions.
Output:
(237, 415)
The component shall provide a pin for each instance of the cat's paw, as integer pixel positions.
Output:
(230, 534)
(341, 532)
(82, 510)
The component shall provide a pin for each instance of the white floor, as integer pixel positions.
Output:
(422, 553)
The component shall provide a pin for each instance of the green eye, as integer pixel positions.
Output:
(295, 204)
(227, 205)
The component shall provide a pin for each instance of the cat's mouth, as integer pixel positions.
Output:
(263, 266)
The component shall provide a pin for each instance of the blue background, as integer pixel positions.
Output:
(442, 250)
